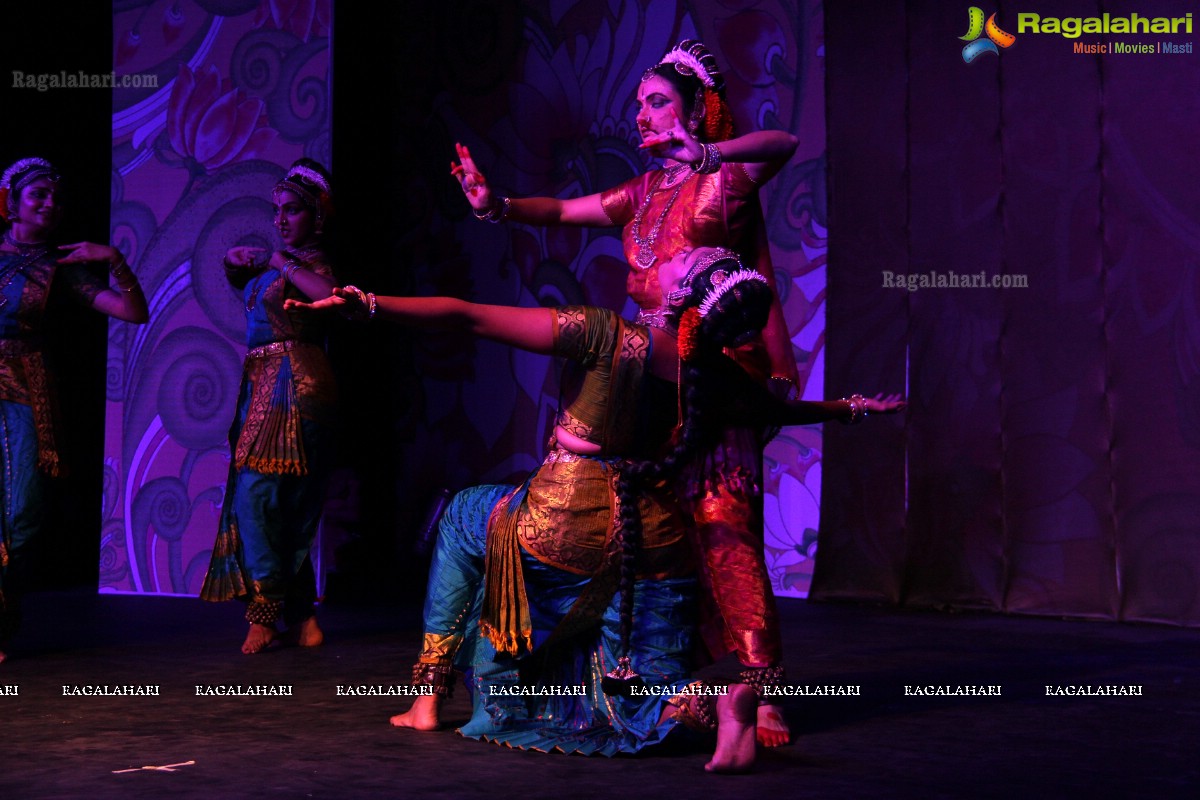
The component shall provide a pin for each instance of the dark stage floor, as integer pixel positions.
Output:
(881, 744)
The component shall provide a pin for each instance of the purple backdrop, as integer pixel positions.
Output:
(243, 91)
(1048, 462)
(543, 93)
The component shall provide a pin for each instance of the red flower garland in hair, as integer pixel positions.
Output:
(4, 202)
(718, 122)
(689, 343)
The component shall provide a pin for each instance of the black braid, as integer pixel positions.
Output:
(739, 313)
(637, 477)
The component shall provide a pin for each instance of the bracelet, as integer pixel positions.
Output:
(371, 306)
(367, 301)
(858, 408)
(496, 213)
(289, 269)
(120, 271)
(710, 162)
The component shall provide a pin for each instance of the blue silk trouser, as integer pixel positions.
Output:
(571, 713)
(22, 492)
(267, 528)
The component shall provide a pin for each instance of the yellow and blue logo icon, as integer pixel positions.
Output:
(976, 27)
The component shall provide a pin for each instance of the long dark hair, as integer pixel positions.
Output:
(735, 304)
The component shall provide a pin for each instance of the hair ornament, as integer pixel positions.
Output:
(728, 283)
(309, 175)
(691, 58)
(35, 167)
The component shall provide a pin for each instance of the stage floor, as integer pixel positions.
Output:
(882, 743)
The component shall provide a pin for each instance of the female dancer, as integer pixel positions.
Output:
(581, 576)
(31, 207)
(280, 438)
(706, 193)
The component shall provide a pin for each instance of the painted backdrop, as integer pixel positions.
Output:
(543, 92)
(243, 91)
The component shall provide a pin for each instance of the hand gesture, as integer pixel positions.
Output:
(242, 256)
(675, 143)
(474, 185)
(890, 404)
(347, 301)
(83, 252)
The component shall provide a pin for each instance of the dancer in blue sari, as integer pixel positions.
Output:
(280, 438)
(30, 266)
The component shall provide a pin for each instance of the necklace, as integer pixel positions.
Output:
(25, 248)
(671, 173)
(26, 254)
(302, 253)
(645, 257)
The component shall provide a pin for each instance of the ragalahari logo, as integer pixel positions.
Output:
(975, 28)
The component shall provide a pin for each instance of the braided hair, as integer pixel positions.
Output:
(724, 305)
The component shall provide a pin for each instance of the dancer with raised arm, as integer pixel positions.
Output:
(280, 441)
(31, 266)
(570, 599)
(704, 194)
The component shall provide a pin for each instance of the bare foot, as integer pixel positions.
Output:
(736, 714)
(422, 716)
(308, 633)
(259, 638)
(773, 730)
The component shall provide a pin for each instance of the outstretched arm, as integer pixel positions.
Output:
(585, 211)
(530, 329)
(763, 152)
(741, 400)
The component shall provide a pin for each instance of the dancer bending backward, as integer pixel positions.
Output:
(280, 441)
(30, 266)
(538, 586)
(706, 193)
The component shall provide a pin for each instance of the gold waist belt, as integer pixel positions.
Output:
(560, 456)
(272, 349)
